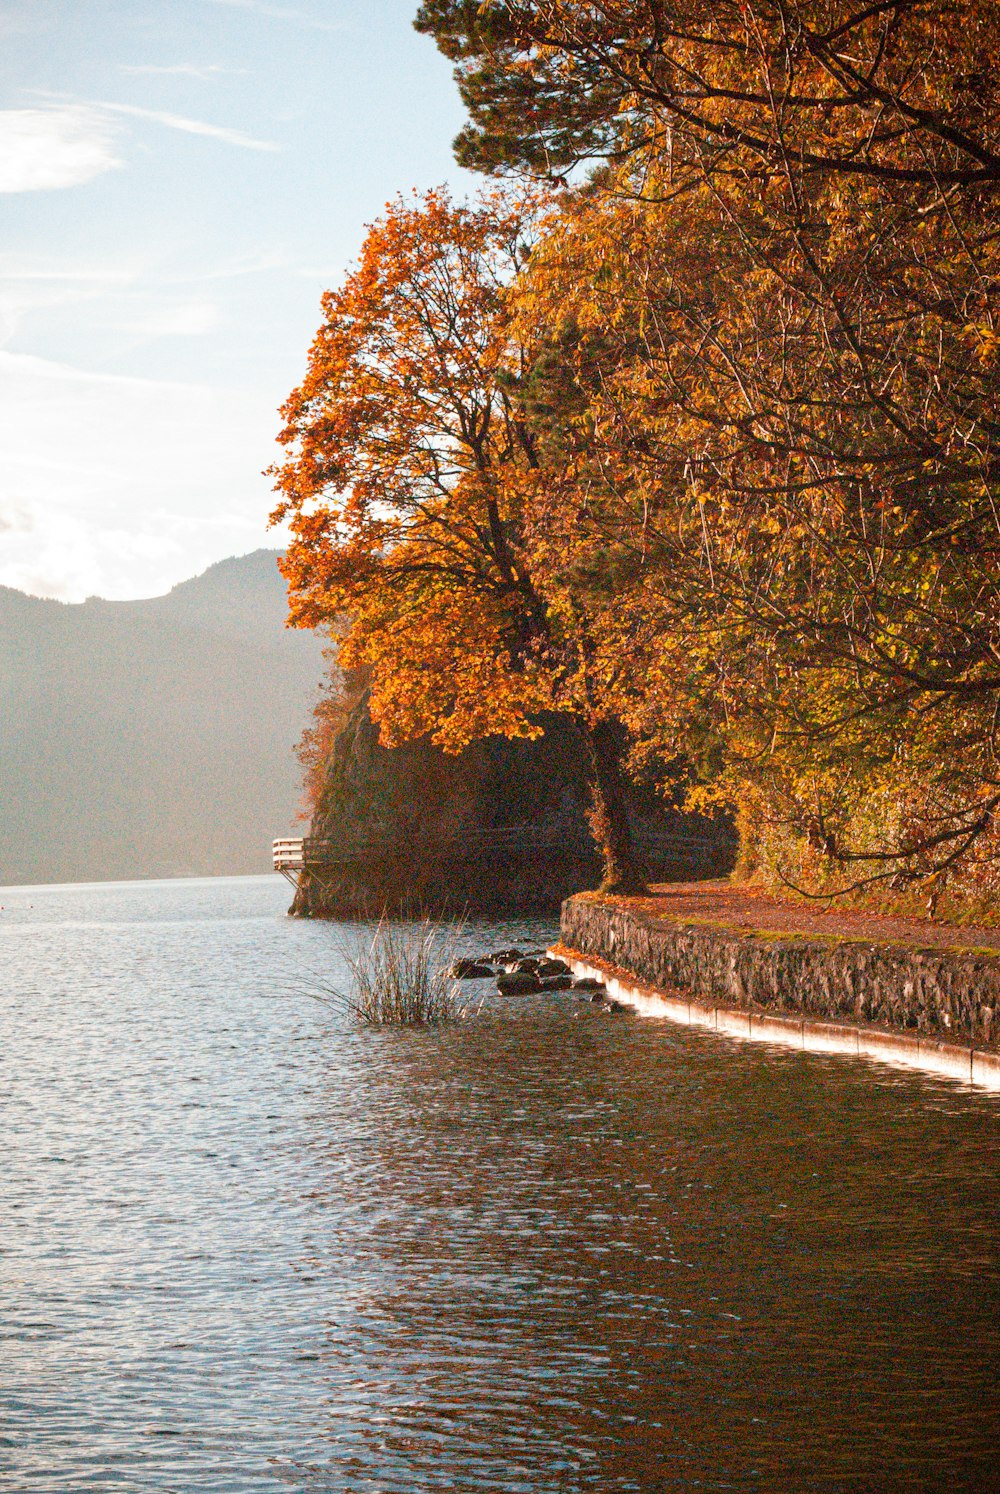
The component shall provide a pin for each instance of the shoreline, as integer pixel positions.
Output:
(972, 1066)
(749, 965)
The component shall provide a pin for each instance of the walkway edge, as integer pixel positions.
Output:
(951, 1060)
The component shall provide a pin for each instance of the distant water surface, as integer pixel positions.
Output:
(245, 1246)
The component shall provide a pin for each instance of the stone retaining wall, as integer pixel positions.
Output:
(952, 995)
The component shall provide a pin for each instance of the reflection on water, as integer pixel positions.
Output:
(245, 1246)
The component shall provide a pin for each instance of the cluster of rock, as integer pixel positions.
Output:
(520, 973)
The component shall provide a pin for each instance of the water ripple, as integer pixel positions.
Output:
(246, 1246)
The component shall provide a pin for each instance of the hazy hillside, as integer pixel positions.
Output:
(152, 738)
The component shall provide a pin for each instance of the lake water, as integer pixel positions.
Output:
(245, 1246)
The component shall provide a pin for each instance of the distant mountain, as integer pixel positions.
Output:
(152, 738)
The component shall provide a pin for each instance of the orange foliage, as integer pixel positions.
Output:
(402, 438)
(417, 492)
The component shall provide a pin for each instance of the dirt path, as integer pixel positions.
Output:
(724, 906)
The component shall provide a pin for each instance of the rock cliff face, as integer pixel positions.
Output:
(500, 828)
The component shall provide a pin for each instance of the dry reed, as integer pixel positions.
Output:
(401, 977)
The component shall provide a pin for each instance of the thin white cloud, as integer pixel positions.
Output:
(29, 287)
(12, 268)
(190, 126)
(45, 281)
(123, 486)
(20, 268)
(266, 262)
(186, 319)
(96, 108)
(45, 149)
(262, 7)
(15, 517)
(140, 299)
(282, 13)
(326, 275)
(185, 70)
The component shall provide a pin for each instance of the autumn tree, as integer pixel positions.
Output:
(900, 91)
(719, 460)
(412, 484)
(782, 281)
(792, 454)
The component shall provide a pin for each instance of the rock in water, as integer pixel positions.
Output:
(518, 983)
(470, 970)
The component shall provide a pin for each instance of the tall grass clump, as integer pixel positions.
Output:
(401, 977)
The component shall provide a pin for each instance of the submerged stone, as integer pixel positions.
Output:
(518, 983)
(471, 970)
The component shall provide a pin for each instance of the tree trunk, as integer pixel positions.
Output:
(609, 810)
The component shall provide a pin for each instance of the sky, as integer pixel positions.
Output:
(179, 182)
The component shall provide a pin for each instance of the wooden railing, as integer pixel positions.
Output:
(289, 854)
(293, 854)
